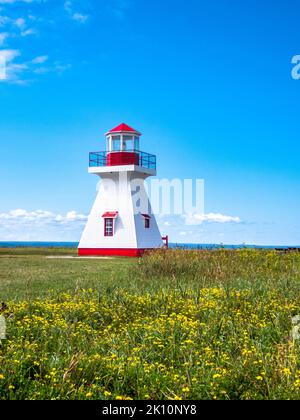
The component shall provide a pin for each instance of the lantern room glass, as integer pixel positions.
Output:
(116, 143)
(122, 143)
(127, 143)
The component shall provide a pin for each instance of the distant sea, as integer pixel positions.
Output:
(172, 245)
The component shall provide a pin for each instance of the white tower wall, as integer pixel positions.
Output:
(117, 193)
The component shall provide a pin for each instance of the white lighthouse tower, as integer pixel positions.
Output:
(121, 221)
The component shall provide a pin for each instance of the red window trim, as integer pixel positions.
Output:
(146, 216)
(110, 214)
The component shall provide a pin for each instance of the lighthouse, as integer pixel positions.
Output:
(121, 222)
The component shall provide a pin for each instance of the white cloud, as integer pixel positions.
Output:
(40, 225)
(40, 59)
(9, 55)
(3, 36)
(18, 71)
(197, 219)
(20, 28)
(204, 228)
(12, 69)
(21, 224)
(68, 6)
(60, 68)
(15, 72)
(56, 67)
(38, 217)
(73, 216)
(185, 233)
(20, 23)
(28, 32)
(78, 17)
(17, 1)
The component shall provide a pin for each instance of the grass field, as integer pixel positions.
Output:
(173, 325)
(27, 273)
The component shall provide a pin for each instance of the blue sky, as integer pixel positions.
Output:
(208, 83)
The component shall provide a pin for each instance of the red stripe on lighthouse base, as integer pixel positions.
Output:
(111, 252)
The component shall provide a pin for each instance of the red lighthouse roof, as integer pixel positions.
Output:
(124, 128)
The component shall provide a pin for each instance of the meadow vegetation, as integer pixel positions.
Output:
(174, 325)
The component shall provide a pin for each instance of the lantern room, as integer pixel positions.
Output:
(123, 139)
(122, 149)
(123, 146)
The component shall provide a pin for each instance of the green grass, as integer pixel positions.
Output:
(175, 324)
(26, 273)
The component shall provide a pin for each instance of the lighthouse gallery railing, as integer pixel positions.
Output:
(103, 159)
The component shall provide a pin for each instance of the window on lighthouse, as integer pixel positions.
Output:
(116, 143)
(108, 227)
(136, 143)
(146, 218)
(128, 143)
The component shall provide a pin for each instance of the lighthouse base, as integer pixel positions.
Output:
(112, 252)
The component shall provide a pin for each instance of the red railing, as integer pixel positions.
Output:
(166, 241)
